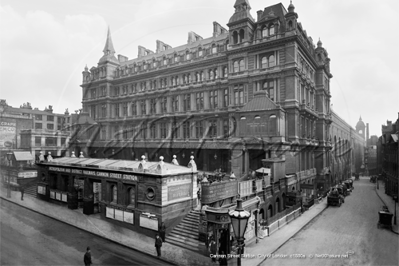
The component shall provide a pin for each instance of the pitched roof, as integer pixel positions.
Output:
(260, 102)
(270, 12)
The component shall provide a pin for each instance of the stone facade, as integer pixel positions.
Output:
(258, 89)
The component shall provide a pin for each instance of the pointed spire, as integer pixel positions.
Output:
(109, 47)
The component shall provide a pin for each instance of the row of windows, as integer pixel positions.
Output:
(177, 103)
(130, 195)
(187, 56)
(184, 79)
(48, 117)
(266, 61)
(49, 141)
(184, 129)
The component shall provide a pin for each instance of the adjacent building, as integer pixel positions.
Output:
(388, 156)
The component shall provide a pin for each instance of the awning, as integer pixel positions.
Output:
(263, 170)
(23, 156)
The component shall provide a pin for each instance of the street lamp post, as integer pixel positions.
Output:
(9, 158)
(239, 220)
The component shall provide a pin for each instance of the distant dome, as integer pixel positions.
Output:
(360, 124)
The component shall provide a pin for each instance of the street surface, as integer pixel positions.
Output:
(29, 238)
(346, 235)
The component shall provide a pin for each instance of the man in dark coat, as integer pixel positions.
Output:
(158, 245)
(87, 257)
(22, 189)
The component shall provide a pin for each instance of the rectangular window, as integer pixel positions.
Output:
(50, 118)
(225, 97)
(124, 109)
(143, 130)
(93, 93)
(175, 130)
(162, 127)
(134, 108)
(187, 102)
(38, 141)
(93, 111)
(116, 91)
(103, 91)
(50, 141)
(226, 128)
(104, 110)
(212, 132)
(38, 125)
(199, 128)
(238, 95)
(50, 126)
(164, 102)
(117, 110)
(175, 103)
(152, 131)
(63, 141)
(200, 101)
(186, 130)
(213, 99)
(152, 106)
(143, 108)
(38, 117)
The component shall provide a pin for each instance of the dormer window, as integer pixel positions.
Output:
(200, 52)
(176, 58)
(188, 56)
(165, 61)
(271, 30)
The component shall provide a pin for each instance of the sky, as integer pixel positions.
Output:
(46, 44)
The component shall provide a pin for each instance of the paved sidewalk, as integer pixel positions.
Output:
(269, 245)
(388, 201)
(170, 253)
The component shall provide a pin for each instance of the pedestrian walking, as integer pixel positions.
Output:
(162, 231)
(158, 245)
(22, 189)
(87, 257)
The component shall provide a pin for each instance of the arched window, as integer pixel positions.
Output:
(264, 62)
(271, 30)
(242, 34)
(211, 76)
(131, 197)
(114, 194)
(242, 65)
(236, 67)
(265, 32)
(272, 61)
(235, 37)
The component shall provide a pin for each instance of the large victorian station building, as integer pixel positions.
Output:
(256, 93)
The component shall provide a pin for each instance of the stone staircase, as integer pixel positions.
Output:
(185, 234)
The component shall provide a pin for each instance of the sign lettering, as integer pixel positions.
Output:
(218, 191)
(179, 191)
